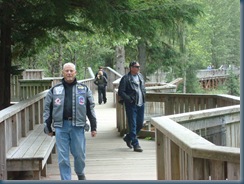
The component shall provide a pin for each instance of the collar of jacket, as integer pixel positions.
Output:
(69, 84)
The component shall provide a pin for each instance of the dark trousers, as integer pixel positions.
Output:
(102, 94)
(135, 116)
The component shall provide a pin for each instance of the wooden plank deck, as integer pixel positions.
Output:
(108, 157)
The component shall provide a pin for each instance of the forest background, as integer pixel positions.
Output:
(178, 37)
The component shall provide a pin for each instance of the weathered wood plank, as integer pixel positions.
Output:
(34, 149)
(217, 170)
(234, 171)
(3, 170)
(23, 165)
(18, 152)
(45, 150)
(32, 154)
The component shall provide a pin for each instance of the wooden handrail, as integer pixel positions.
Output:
(15, 122)
(181, 151)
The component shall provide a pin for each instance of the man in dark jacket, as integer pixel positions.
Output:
(101, 82)
(132, 91)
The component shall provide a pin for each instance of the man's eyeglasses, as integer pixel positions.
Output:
(136, 66)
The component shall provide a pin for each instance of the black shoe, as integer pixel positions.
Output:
(128, 143)
(81, 177)
(138, 148)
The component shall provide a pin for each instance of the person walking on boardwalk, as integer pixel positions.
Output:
(101, 82)
(132, 91)
(66, 107)
(100, 68)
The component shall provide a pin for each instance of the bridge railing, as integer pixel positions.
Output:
(216, 72)
(15, 88)
(33, 74)
(112, 76)
(220, 126)
(161, 104)
(184, 126)
(15, 122)
(184, 155)
(31, 87)
(33, 82)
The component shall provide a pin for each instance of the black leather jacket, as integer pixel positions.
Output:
(127, 90)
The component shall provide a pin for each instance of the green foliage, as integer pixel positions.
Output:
(216, 36)
(192, 83)
(80, 48)
(233, 84)
(121, 17)
(181, 35)
(158, 21)
(213, 39)
(148, 138)
(16, 70)
(34, 19)
(161, 55)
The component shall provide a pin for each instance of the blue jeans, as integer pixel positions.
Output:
(70, 139)
(135, 116)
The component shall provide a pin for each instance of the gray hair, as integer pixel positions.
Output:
(70, 64)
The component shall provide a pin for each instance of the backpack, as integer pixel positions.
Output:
(101, 82)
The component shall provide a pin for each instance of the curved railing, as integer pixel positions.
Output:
(184, 155)
(184, 126)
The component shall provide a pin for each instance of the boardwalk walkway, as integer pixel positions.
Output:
(108, 158)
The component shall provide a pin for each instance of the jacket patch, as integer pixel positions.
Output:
(81, 89)
(58, 90)
(57, 101)
(81, 100)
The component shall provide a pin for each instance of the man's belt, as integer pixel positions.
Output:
(67, 118)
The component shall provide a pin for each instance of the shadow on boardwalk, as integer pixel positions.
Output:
(108, 158)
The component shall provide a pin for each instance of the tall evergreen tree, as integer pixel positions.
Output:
(24, 23)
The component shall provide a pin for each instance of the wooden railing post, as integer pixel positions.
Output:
(217, 170)
(233, 171)
(3, 164)
(160, 155)
(175, 161)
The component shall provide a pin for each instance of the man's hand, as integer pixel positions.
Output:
(93, 133)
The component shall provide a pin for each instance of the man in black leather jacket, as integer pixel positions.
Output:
(132, 91)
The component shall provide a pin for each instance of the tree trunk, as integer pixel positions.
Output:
(60, 61)
(5, 56)
(120, 59)
(142, 57)
(182, 43)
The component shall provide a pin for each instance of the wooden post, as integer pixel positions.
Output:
(160, 155)
(3, 137)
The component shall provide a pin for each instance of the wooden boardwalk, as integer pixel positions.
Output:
(108, 157)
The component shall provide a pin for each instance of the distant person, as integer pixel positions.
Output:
(100, 68)
(132, 91)
(101, 82)
(209, 67)
(66, 107)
